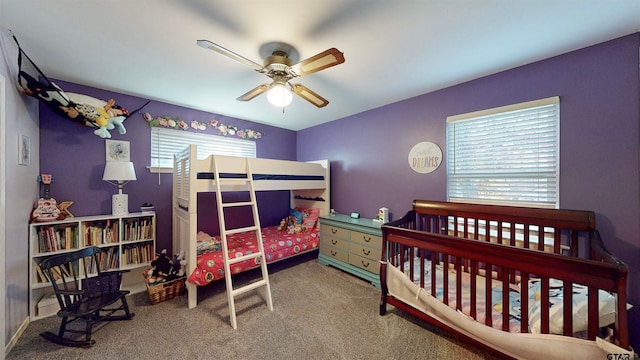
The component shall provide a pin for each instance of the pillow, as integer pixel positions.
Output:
(207, 243)
(309, 217)
(297, 215)
(606, 307)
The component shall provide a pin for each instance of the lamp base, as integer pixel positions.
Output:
(120, 204)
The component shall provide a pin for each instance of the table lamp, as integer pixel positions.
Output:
(119, 173)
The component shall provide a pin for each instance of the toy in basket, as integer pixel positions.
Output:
(166, 278)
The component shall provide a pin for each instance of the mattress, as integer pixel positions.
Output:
(278, 245)
(607, 301)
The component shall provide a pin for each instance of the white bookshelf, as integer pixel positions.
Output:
(127, 242)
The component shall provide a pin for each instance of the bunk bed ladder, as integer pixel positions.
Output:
(259, 256)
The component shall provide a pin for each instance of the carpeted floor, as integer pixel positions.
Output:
(319, 313)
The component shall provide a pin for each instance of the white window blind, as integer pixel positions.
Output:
(506, 155)
(166, 142)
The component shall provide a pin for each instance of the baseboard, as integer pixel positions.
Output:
(16, 336)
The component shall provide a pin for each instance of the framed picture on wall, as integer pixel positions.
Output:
(117, 150)
(24, 150)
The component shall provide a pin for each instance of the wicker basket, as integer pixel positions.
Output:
(164, 290)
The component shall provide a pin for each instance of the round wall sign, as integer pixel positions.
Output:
(425, 157)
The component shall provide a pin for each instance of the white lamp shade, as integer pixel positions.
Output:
(119, 171)
(279, 96)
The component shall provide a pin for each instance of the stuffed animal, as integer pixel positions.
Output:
(284, 223)
(161, 267)
(296, 229)
(288, 224)
(177, 264)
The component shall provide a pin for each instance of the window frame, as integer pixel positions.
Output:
(208, 144)
(546, 171)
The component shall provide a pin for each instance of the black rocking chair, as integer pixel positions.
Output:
(85, 293)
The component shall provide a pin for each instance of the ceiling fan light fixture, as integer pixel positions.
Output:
(279, 96)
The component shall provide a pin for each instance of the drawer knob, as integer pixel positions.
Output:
(334, 241)
(366, 239)
(366, 252)
(334, 253)
(365, 264)
(334, 231)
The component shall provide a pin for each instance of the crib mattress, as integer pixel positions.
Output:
(516, 345)
(495, 310)
(278, 245)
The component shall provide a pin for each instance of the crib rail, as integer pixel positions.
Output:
(512, 246)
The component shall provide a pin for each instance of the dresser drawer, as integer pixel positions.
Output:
(366, 252)
(334, 231)
(335, 253)
(364, 263)
(366, 239)
(329, 240)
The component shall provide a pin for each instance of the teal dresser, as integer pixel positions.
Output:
(352, 245)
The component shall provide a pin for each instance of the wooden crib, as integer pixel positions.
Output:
(501, 276)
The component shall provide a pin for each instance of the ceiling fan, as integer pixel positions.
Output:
(280, 65)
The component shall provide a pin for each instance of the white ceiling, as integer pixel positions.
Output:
(394, 50)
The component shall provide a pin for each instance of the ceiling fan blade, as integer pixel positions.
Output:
(253, 92)
(312, 97)
(325, 59)
(230, 54)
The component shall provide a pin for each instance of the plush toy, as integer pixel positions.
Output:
(177, 264)
(296, 229)
(284, 223)
(161, 267)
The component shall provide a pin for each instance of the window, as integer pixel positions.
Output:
(507, 155)
(166, 142)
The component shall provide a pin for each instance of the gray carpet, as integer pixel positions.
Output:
(319, 313)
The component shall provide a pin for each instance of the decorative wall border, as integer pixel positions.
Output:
(179, 124)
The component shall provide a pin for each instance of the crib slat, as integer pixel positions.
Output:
(473, 272)
(422, 273)
(487, 296)
(487, 231)
(412, 257)
(557, 233)
(512, 232)
(434, 261)
(592, 313)
(567, 310)
(541, 238)
(506, 306)
(527, 229)
(544, 305)
(445, 279)
(458, 265)
(574, 243)
(524, 302)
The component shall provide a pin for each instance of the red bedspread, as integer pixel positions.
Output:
(278, 245)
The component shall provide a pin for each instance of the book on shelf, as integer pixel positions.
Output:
(101, 232)
(42, 278)
(138, 229)
(56, 237)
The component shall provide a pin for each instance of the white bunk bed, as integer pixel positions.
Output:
(308, 182)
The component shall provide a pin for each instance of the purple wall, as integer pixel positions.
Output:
(76, 157)
(599, 106)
